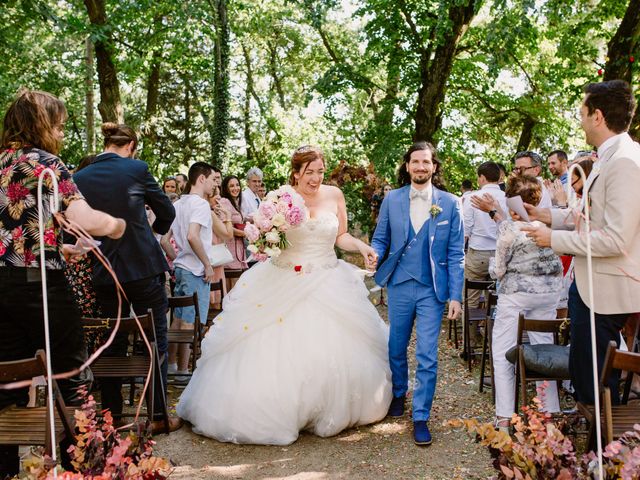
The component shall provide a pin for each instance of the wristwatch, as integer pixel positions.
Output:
(492, 213)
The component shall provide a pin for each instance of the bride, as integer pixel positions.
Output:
(298, 345)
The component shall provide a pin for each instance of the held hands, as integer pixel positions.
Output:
(454, 309)
(370, 257)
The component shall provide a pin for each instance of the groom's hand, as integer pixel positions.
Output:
(454, 309)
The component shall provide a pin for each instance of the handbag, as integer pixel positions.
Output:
(220, 255)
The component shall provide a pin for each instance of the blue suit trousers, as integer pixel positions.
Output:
(409, 301)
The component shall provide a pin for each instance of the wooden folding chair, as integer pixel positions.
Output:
(492, 302)
(218, 286)
(134, 366)
(473, 316)
(190, 337)
(31, 426)
(618, 419)
(233, 272)
(526, 373)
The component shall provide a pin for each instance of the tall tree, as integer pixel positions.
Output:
(221, 83)
(110, 106)
(622, 47)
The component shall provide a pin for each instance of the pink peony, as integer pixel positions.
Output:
(3, 249)
(294, 216)
(260, 257)
(252, 233)
(282, 207)
(267, 209)
(286, 198)
(264, 224)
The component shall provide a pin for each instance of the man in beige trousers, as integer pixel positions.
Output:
(614, 200)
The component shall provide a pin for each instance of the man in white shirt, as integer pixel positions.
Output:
(250, 198)
(480, 229)
(192, 232)
(530, 163)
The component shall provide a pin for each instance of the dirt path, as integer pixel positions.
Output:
(384, 450)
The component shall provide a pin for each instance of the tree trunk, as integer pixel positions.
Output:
(273, 70)
(187, 122)
(89, 100)
(435, 72)
(221, 84)
(527, 134)
(621, 48)
(110, 106)
(250, 148)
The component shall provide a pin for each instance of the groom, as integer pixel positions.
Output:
(420, 239)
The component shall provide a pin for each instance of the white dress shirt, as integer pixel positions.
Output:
(479, 227)
(545, 201)
(250, 203)
(419, 206)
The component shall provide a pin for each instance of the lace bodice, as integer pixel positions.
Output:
(311, 244)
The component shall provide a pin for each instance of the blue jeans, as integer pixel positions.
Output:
(186, 284)
(409, 301)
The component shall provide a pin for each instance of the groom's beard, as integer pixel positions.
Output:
(421, 179)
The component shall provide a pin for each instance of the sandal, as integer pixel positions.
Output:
(502, 424)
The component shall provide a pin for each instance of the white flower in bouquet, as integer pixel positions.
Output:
(275, 251)
(272, 237)
(268, 251)
(278, 220)
(253, 248)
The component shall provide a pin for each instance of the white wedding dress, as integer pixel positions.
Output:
(292, 350)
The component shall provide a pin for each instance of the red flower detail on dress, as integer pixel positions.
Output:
(17, 192)
(29, 258)
(298, 268)
(67, 187)
(38, 169)
(3, 249)
(50, 237)
(17, 234)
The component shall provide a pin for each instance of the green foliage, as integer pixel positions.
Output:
(341, 74)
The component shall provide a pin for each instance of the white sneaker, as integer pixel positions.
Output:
(183, 376)
(172, 368)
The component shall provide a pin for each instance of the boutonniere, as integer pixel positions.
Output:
(435, 210)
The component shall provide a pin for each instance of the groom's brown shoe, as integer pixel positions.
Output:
(158, 426)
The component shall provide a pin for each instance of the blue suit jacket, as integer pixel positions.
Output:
(121, 187)
(445, 236)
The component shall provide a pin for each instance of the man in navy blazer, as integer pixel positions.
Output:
(115, 182)
(420, 241)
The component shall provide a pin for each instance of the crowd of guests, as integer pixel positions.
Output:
(159, 241)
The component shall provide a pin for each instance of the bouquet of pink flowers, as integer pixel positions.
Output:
(281, 210)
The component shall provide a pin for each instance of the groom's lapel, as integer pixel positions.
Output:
(435, 200)
(404, 205)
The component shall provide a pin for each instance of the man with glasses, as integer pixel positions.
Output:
(530, 163)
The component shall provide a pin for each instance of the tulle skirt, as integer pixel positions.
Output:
(291, 351)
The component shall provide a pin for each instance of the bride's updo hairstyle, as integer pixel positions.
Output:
(301, 158)
(118, 135)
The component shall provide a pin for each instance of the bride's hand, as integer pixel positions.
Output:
(370, 257)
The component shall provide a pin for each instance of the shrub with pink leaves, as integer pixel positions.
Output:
(101, 452)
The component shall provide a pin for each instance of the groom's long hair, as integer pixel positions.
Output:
(436, 179)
